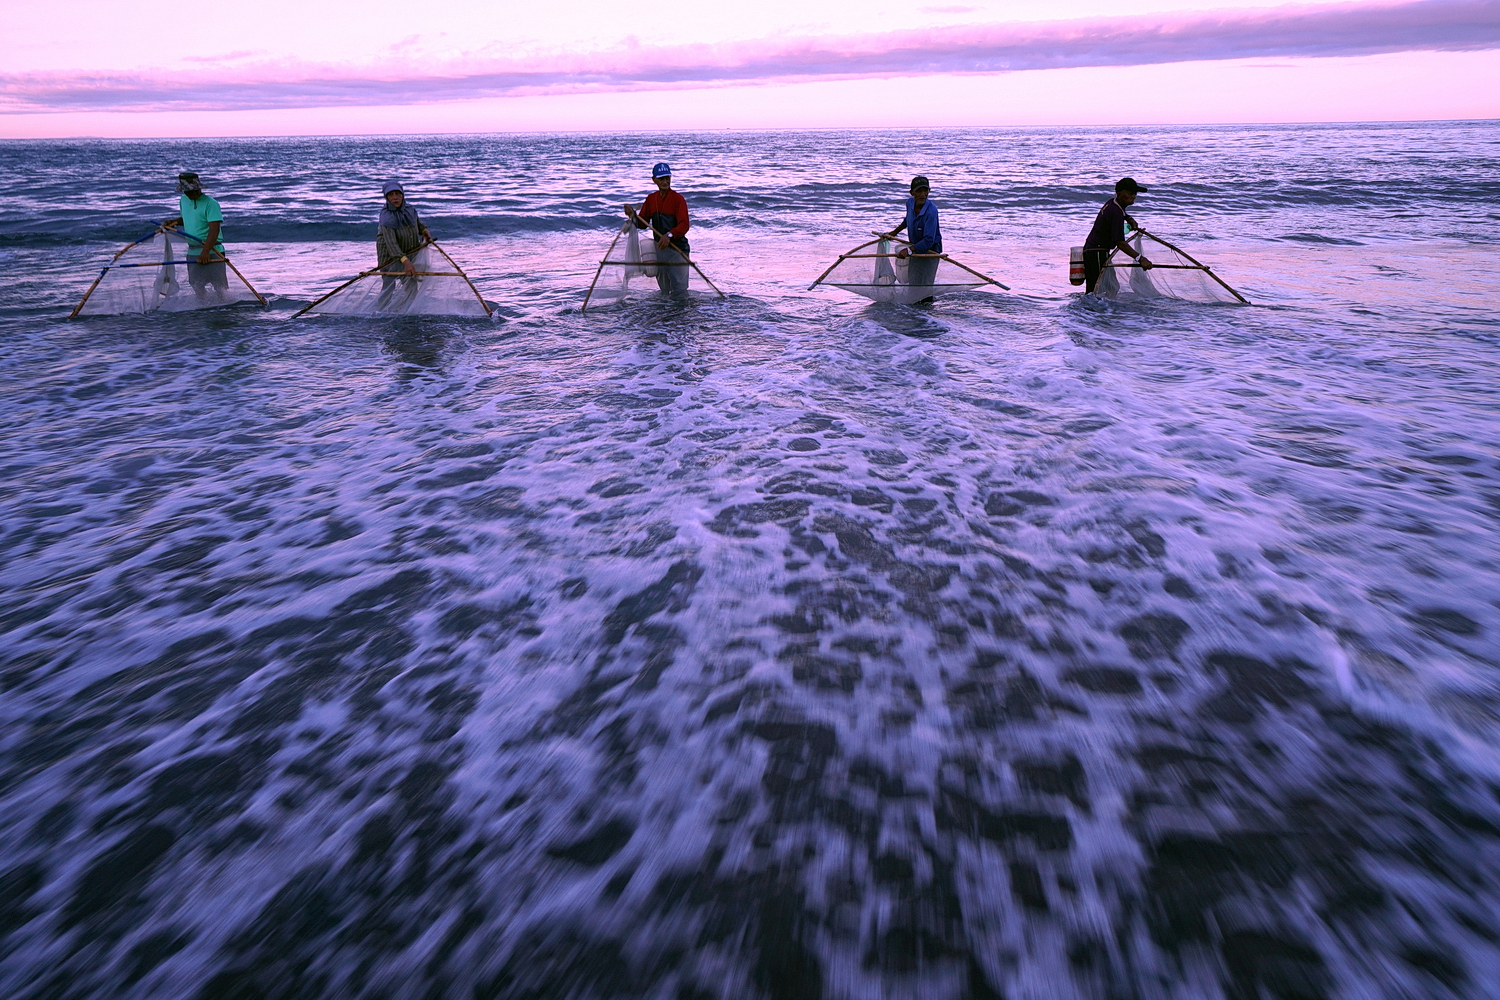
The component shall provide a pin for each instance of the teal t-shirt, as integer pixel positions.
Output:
(196, 215)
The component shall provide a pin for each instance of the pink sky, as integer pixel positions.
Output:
(288, 67)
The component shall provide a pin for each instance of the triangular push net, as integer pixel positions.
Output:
(873, 270)
(1175, 275)
(439, 288)
(151, 275)
(634, 264)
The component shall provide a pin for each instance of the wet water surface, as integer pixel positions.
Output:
(781, 646)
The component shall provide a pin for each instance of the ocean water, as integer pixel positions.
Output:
(781, 646)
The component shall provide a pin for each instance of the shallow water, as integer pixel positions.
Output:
(776, 646)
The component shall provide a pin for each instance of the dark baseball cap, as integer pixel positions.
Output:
(919, 183)
(1129, 184)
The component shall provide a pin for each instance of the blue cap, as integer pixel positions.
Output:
(661, 170)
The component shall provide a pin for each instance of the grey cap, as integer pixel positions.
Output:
(392, 186)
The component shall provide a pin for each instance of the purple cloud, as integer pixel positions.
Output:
(1297, 31)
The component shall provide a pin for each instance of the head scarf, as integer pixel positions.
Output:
(398, 218)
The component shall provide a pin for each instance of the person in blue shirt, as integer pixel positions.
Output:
(921, 224)
(200, 219)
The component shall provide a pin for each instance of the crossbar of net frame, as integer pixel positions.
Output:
(1196, 265)
(685, 262)
(214, 258)
(379, 269)
(879, 237)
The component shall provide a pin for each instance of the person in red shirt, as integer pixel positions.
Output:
(665, 213)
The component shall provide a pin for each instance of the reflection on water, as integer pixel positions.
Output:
(417, 348)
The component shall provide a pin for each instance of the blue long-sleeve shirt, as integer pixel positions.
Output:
(923, 227)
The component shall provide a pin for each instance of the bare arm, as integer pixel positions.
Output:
(210, 243)
(1129, 251)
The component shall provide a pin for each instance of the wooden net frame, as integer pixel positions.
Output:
(214, 258)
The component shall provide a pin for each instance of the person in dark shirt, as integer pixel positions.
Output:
(1108, 233)
(665, 213)
(921, 222)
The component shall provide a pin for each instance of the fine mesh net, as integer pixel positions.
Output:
(439, 288)
(634, 263)
(874, 271)
(152, 275)
(1174, 276)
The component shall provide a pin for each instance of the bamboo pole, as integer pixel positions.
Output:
(121, 252)
(703, 276)
(600, 269)
(259, 297)
(377, 269)
(974, 272)
(868, 256)
(943, 256)
(685, 257)
(1206, 269)
(102, 272)
(340, 288)
(842, 258)
(685, 262)
(212, 254)
(1164, 267)
(483, 304)
(105, 270)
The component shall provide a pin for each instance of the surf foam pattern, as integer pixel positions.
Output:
(774, 647)
(739, 665)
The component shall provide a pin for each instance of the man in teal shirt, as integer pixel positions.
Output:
(200, 220)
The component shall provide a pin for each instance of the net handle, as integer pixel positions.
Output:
(691, 264)
(879, 237)
(1163, 267)
(1206, 269)
(380, 269)
(843, 257)
(625, 229)
(160, 229)
(105, 270)
(221, 256)
(377, 269)
(488, 312)
(600, 269)
(943, 256)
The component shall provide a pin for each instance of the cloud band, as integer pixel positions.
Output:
(1299, 31)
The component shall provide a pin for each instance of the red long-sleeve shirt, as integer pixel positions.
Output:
(671, 203)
